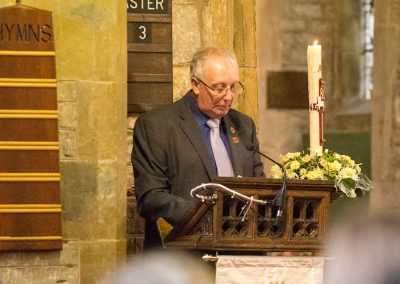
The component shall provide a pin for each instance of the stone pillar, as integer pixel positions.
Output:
(91, 72)
(386, 109)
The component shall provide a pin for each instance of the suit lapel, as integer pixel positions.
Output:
(192, 132)
(235, 145)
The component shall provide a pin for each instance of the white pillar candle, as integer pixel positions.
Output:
(314, 76)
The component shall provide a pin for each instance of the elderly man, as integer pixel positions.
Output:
(191, 141)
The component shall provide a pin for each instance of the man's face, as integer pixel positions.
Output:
(218, 72)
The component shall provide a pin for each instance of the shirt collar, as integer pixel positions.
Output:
(200, 117)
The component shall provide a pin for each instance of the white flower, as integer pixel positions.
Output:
(344, 157)
(292, 156)
(347, 173)
(276, 172)
(294, 165)
(291, 174)
(315, 174)
(306, 159)
(285, 158)
(323, 163)
(296, 154)
(334, 166)
(303, 173)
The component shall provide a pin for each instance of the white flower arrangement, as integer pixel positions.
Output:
(331, 166)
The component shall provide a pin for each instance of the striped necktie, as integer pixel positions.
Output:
(224, 165)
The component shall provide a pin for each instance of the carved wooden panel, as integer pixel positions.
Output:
(30, 206)
(236, 225)
(149, 54)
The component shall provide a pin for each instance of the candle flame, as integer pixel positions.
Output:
(315, 42)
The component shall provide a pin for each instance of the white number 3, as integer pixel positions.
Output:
(143, 32)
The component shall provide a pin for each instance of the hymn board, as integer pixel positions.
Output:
(30, 209)
(149, 54)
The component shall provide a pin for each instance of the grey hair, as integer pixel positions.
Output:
(202, 55)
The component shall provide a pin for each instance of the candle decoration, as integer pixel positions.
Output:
(321, 164)
(316, 98)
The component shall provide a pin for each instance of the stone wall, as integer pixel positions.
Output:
(225, 23)
(91, 72)
(44, 268)
(386, 109)
(197, 23)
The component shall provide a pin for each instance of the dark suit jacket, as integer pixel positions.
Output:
(170, 157)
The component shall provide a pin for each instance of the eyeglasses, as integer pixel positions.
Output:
(236, 89)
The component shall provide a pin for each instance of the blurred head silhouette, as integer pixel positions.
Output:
(165, 267)
(366, 250)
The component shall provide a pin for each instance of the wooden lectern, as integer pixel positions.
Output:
(220, 225)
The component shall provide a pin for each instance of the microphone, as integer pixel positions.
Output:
(280, 198)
